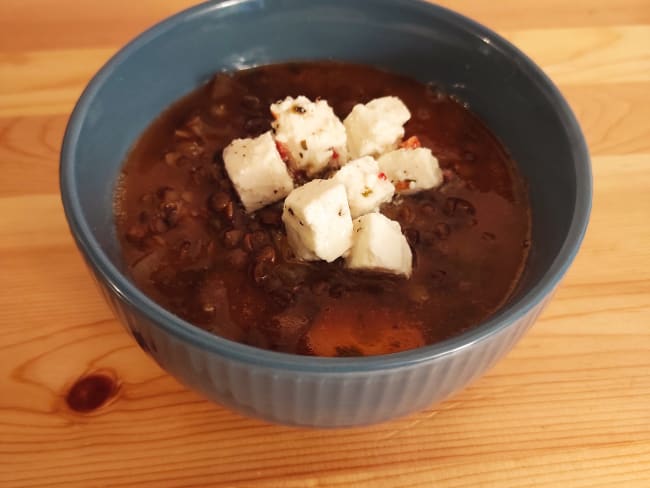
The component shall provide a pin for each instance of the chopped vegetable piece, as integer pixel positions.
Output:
(411, 143)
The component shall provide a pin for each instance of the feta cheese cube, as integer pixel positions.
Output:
(317, 219)
(311, 133)
(379, 245)
(376, 127)
(411, 170)
(257, 171)
(365, 188)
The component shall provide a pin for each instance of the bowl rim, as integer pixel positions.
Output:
(182, 330)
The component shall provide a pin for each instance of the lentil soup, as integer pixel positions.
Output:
(189, 244)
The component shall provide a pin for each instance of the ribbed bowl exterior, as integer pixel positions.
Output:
(318, 399)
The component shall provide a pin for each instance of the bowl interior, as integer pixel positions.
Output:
(413, 38)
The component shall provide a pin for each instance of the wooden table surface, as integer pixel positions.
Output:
(569, 407)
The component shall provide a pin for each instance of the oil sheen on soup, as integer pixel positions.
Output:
(189, 244)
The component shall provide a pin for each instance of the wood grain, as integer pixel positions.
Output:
(616, 54)
(45, 24)
(570, 406)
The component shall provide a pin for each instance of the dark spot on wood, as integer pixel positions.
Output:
(91, 392)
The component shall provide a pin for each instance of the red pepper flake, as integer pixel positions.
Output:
(411, 143)
(283, 151)
(382, 176)
(335, 154)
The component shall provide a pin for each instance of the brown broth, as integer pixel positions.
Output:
(189, 245)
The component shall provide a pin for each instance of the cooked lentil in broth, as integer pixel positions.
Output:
(189, 245)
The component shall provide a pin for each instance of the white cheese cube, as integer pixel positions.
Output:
(257, 171)
(376, 127)
(317, 219)
(379, 245)
(310, 132)
(366, 189)
(411, 170)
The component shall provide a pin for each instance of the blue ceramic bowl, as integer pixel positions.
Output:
(429, 43)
